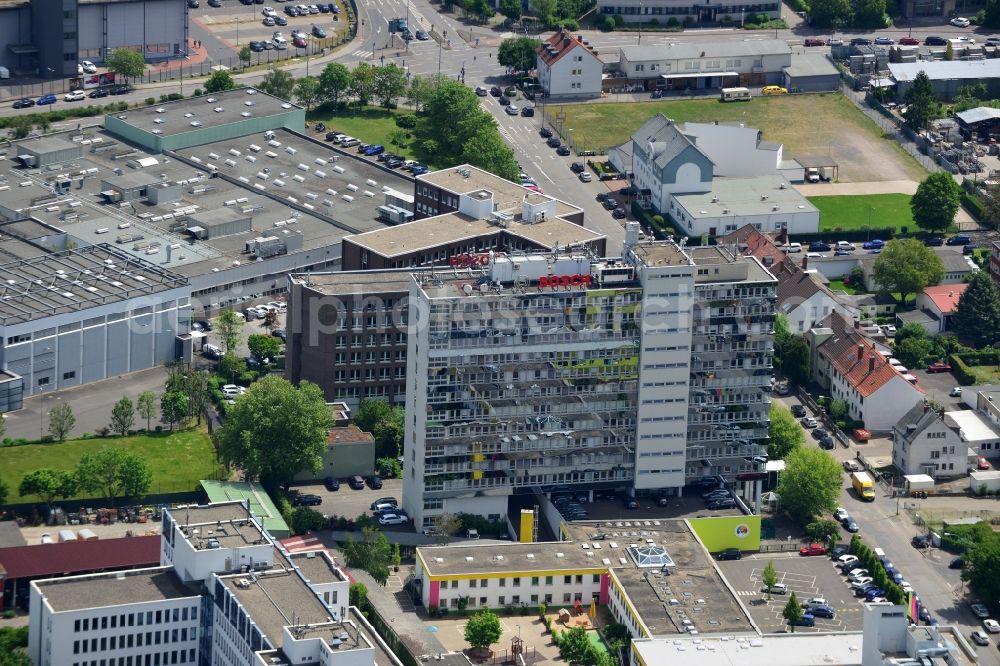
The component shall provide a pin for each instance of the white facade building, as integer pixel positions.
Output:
(708, 64)
(666, 161)
(736, 150)
(939, 443)
(568, 67)
(574, 373)
(227, 594)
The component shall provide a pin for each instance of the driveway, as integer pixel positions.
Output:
(938, 385)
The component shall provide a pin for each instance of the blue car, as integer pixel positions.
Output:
(807, 620)
(376, 149)
(875, 592)
(46, 99)
(419, 170)
(897, 577)
(822, 611)
(875, 244)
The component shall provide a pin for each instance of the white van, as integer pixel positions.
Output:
(280, 43)
(735, 94)
(791, 247)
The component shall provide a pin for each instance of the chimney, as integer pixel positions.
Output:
(566, 41)
(861, 352)
(871, 363)
(805, 263)
(951, 294)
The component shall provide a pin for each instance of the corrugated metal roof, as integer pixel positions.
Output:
(72, 557)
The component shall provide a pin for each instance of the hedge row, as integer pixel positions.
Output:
(961, 364)
(64, 114)
(974, 205)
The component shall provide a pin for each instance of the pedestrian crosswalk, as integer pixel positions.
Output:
(361, 53)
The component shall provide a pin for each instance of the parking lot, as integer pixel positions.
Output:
(938, 385)
(351, 503)
(805, 576)
(240, 24)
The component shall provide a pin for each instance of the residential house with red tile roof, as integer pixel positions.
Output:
(939, 303)
(803, 296)
(854, 369)
(568, 67)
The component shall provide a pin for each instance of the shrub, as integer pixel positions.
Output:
(149, 101)
(305, 519)
(619, 20)
(672, 22)
(407, 121)
(197, 92)
(607, 23)
(9, 615)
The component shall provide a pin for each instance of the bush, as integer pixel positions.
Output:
(672, 22)
(619, 20)
(149, 101)
(607, 23)
(569, 24)
(9, 615)
(305, 519)
(407, 121)
(197, 92)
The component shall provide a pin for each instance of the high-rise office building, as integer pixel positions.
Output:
(551, 372)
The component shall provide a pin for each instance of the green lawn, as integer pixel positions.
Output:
(856, 211)
(177, 460)
(838, 285)
(827, 125)
(371, 125)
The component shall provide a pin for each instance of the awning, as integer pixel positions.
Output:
(696, 75)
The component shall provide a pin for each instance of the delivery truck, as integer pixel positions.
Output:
(863, 486)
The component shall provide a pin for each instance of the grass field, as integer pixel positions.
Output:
(370, 125)
(838, 285)
(822, 125)
(861, 210)
(177, 460)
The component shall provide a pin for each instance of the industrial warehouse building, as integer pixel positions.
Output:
(47, 38)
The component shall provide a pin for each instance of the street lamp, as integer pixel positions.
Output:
(52, 87)
(374, 39)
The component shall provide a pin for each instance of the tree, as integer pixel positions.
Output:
(48, 484)
(263, 347)
(245, 55)
(306, 519)
(791, 353)
(784, 434)
(869, 13)
(20, 127)
(113, 472)
(991, 16)
(279, 83)
(829, 13)
(307, 91)
(196, 391)
(444, 526)
(220, 80)
(363, 83)
(839, 409)
(174, 407)
(389, 85)
(479, 10)
(146, 406)
(229, 327)
(543, 10)
(769, 576)
(385, 422)
(358, 594)
(575, 647)
(487, 150)
(793, 612)
(126, 62)
(483, 629)
(275, 431)
(977, 317)
(912, 345)
(61, 421)
(122, 416)
(419, 91)
(821, 531)
(334, 82)
(511, 9)
(982, 561)
(936, 201)
(373, 553)
(518, 53)
(921, 103)
(907, 266)
(810, 484)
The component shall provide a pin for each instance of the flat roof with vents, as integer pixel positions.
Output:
(86, 277)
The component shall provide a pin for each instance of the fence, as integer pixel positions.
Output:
(154, 74)
(892, 126)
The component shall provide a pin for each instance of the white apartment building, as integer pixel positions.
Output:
(559, 371)
(226, 594)
(568, 67)
(941, 444)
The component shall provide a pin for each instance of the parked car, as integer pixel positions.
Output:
(511, 110)
(809, 422)
(838, 550)
(356, 482)
(391, 519)
(374, 482)
(874, 244)
(545, 133)
(939, 366)
(979, 638)
(331, 483)
(307, 500)
(980, 611)
(798, 411)
(375, 149)
(920, 541)
(528, 112)
(481, 91)
(826, 442)
(850, 525)
(834, 41)
(960, 239)
(563, 151)
(716, 505)
(773, 90)
(504, 100)
(909, 41)
(729, 554)
(812, 549)
(585, 177)
(934, 40)
(819, 246)
(960, 22)
(812, 41)
(818, 433)
(846, 560)
(777, 588)
(121, 90)
(318, 32)
(991, 626)
(885, 41)
(46, 99)
(75, 96)
(553, 142)
(24, 103)
(822, 611)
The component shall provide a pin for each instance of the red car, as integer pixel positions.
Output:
(940, 366)
(909, 41)
(812, 549)
(983, 463)
(812, 41)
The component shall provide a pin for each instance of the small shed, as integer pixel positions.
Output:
(982, 120)
(988, 481)
(208, 224)
(811, 72)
